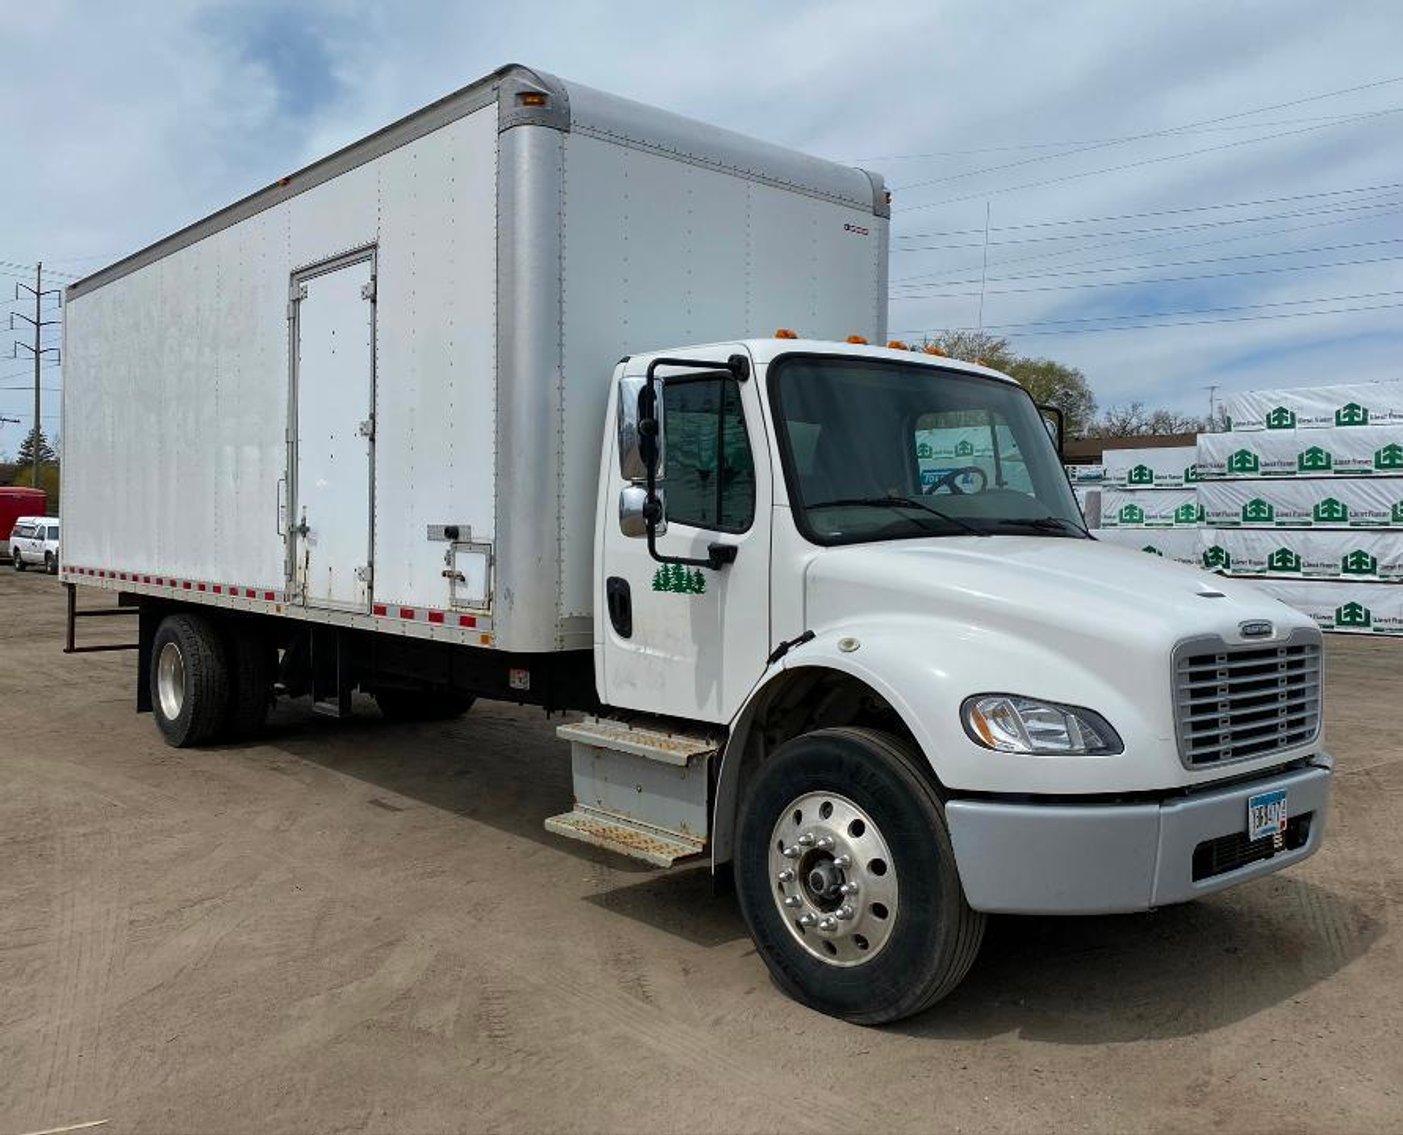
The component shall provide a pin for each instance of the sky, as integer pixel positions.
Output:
(1177, 195)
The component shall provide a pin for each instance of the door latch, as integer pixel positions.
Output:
(367, 427)
(365, 573)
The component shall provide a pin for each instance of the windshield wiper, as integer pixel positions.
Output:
(900, 502)
(1045, 524)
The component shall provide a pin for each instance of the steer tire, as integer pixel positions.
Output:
(422, 705)
(252, 666)
(15, 561)
(191, 701)
(923, 935)
(50, 564)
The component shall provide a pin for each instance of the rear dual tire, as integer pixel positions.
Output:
(846, 877)
(209, 682)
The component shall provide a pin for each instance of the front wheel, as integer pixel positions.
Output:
(847, 880)
(15, 561)
(50, 564)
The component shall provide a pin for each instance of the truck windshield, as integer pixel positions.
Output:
(878, 450)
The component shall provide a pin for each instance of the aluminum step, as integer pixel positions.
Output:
(637, 841)
(641, 789)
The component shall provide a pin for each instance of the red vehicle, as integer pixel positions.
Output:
(17, 501)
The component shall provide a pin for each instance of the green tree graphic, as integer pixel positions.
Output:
(1284, 559)
(964, 449)
(1140, 475)
(1131, 514)
(1330, 511)
(1353, 615)
(1389, 457)
(1397, 513)
(1359, 562)
(1257, 511)
(1244, 461)
(1351, 414)
(1314, 460)
(1280, 419)
(696, 583)
(1186, 513)
(1216, 558)
(1192, 475)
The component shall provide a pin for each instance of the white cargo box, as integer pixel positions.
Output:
(373, 393)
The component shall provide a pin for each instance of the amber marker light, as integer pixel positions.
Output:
(531, 98)
(785, 333)
(858, 340)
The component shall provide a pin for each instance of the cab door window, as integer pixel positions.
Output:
(710, 470)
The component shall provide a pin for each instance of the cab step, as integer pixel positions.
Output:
(641, 789)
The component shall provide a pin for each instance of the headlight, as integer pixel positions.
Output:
(1008, 723)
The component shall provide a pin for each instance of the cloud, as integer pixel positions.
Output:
(128, 121)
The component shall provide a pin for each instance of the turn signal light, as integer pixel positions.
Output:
(860, 340)
(785, 333)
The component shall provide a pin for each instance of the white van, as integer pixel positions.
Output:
(34, 540)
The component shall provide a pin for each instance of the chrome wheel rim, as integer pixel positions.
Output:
(834, 880)
(170, 681)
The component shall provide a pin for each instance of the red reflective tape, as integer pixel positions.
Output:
(378, 609)
(268, 595)
(146, 579)
(406, 612)
(201, 586)
(186, 585)
(219, 589)
(250, 593)
(435, 616)
(467, 621)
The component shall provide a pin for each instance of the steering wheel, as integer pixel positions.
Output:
(949, 479)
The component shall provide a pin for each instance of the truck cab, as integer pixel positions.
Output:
(917, 690)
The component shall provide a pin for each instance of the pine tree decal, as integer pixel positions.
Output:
(698, 583)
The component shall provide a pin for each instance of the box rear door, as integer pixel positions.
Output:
(333, 411)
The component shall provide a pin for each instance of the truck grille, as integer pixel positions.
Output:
(1228, 853)
(1232, 704)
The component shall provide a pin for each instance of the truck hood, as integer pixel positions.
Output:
(1068, 588)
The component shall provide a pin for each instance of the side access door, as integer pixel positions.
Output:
(332, 314)
(685, 640)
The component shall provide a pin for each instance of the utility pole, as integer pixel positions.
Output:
(38, 350)
(1212, 404)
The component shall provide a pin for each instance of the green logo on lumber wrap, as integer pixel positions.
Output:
(1131, 514)
(1330, 511)
(1217, 557)
(1315, 460)
(1188, 513)
(1257, 511)
(1140, 475)
(678, 580)
(1354, 615)
(1244, 461)
(924, 451)
(1397, 514)
(1359, 562)
(1389, 457)
(1284, 559)
(964, 449)
(1351, 414)
(1281, 419)
(1192, 475)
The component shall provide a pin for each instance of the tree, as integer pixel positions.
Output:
(47, 456)
(974, 347)
(1134, 420)
(1053, 384)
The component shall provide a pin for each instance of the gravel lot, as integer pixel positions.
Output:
(362, 927)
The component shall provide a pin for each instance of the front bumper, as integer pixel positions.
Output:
(1039, 858)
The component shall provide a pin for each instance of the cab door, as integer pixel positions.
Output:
(686, 640)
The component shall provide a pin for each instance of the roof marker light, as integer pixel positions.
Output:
(932, 349)
(531, 98)
(897, 345)
(858, 340)
(785, 333)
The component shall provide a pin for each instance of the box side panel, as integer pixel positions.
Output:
(436, 355)
(177, 386)
(660, 252)
(175, 412)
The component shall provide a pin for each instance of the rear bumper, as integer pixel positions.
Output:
(1037, 858)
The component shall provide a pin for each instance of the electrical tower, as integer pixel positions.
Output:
(37, 349)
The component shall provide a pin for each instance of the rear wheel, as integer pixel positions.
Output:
(15, 560)
(50, 564)
(422, 705)
(847, 879)
(189, 680)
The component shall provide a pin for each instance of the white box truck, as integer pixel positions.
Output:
(491, 405)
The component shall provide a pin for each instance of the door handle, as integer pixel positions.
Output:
(282, 506)
(619, 599)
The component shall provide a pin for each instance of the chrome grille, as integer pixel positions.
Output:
(1236, 703)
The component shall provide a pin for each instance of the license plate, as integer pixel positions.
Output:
(1266, 814)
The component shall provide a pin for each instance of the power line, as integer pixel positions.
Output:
(1110, 319)
(1131, 165)
(1159, 230)
(1380, 188)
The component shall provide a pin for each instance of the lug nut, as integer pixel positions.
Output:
(829, 923)
(846, 888)
(793, 901)
(807, 920)
(806, 840)
(825, 842)
(791, 852)
(786, 876)
(842, 861)
(844, 914)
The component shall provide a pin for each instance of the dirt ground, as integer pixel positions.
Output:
(355, 926)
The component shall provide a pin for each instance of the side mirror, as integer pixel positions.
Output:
(632, 466)
(1055, 422)
(633, 501)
